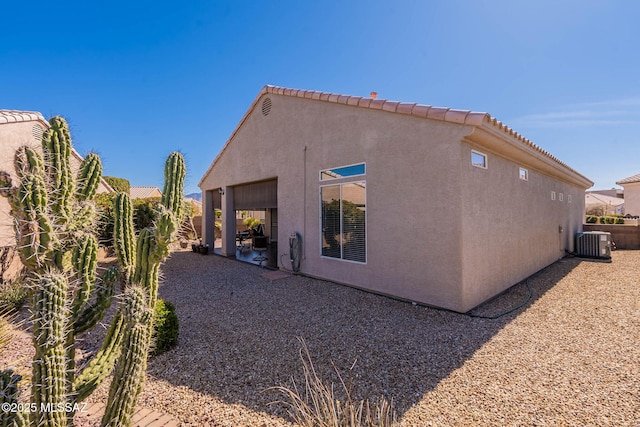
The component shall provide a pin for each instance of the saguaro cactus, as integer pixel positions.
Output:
(55, 218)
(144, 260)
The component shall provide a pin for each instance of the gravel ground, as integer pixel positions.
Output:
(570, 356)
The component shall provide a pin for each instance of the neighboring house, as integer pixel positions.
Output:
(631, 187)
(597, 203)
(144, 192)
(18, 128)
(439, 206)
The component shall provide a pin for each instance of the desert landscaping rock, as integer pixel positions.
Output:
(569, 356)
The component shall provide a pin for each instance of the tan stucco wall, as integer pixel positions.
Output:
(429, 214)
(632, 198)
(12, 136)
(512, 228)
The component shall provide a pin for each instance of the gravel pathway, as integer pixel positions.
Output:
(570, 356)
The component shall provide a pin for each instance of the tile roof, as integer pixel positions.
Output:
(464, 117)
(15, 116)
(142, 192)
(600, 199)
(630, 180)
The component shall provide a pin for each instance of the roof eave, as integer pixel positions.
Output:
(496, 137)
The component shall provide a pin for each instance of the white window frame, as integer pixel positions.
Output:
(484, 164)
(553, 195)
(523, 174)
(366, 221)
(561, 197)
(569, 198)
(342, 177)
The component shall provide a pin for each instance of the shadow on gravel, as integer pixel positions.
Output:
(238, 333)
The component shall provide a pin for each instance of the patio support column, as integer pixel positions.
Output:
(228, 223)
(208, 218)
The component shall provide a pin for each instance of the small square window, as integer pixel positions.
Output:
(524, 174)
(478, 159)
(553, 195)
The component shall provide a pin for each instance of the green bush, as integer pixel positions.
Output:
(13, 296)
(165, 328)
(619, 220)
(145, 212)
(611, 220)
(592, 219)
(120, 185)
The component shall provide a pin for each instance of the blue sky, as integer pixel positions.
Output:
(139, 79)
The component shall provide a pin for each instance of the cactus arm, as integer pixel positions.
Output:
(124, 236)
(130, 368)
(164, 234)
(36, 236)
(89, 177)
(102, 364)
(147, 265)
(85, 260)
(10, 393)
(173, 192)
(28, 162)
(94, 312)
(49, 333)
(56, 145)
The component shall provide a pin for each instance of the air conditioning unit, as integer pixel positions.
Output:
(593, 244)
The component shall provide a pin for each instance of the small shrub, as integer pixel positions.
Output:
(592, 219)
(12, 296)
(610, 219)
(145, 212)
(619, 220)
(165, 328)
(120, 185)
(251, 222)
(602, 219)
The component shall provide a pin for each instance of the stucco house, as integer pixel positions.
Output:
(18, 128)
(439, 206)
(144, 192)
(597, 203)
(631, 186)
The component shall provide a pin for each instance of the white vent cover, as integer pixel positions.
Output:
(37, 131)
(266, 106)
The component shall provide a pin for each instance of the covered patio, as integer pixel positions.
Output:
(247, 217)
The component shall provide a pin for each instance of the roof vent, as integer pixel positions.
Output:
(266, 106)
(37, 131)
(373, 95)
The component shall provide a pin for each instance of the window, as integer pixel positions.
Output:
(569, 198)
(478, 159)
(342, 172)
(343, 221)
(561, 197)
(524, 174)
(553, 195)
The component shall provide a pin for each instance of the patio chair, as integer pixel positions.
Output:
(260, 244)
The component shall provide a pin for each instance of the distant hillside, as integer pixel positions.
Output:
(194, 196)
